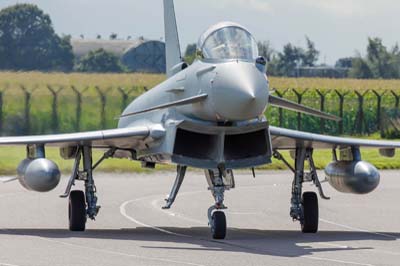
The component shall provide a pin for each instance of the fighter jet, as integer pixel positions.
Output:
(209, 115)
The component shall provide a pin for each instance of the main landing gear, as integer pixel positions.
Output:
(219, 181)
(83, 204)
(304, 206)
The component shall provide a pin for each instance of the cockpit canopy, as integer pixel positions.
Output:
(228, 40)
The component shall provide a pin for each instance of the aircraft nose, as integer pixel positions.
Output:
(239, 92)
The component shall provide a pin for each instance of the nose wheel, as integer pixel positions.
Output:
(218, 225)
(219, 181)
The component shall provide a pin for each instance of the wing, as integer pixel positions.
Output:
(289, 139)
(124, 138)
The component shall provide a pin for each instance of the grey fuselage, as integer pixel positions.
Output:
(237, 99)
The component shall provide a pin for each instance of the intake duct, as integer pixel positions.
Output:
(235, 147)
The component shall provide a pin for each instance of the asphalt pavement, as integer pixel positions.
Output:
(132, 229)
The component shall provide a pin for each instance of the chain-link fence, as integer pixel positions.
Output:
(40, 110)
(362, 113)
(51, 109)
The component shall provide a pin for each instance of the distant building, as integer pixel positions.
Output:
(138, 55)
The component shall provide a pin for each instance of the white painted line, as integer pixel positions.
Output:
(123, 212)
(154, 203)
(332, 245)
(7, 264)
(337, 261)
(358, 229)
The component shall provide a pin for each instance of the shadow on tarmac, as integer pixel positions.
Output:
(262, 242)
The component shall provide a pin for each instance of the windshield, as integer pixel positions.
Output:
(230, 43)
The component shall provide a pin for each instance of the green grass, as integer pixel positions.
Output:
(11, 156)
(115, 86)
(120, 89)
(324, 157)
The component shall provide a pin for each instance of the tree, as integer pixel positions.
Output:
(380, 62)
(289, 60)
(265, 50)
(28, 41)
(292, 57)
(113, 36)
(310, 56)
(190, 53)
(360, 69)
(346, 62)
(100, 61)
(65, 58)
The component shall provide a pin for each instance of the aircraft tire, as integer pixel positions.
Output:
(218, 225)
(311, 213)
(77, 211)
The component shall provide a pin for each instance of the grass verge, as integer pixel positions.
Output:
(11, 156)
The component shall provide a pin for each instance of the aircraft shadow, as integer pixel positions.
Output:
(279, 243)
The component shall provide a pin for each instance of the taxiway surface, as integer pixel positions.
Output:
(131, 228)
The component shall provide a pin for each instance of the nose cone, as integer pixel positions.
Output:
(239, 92)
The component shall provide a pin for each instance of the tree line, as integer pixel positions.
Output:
(28, 42)
(379, 62)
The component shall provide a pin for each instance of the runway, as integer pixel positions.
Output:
(132, 229)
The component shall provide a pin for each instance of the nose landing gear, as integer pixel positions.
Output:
(218, 181)
(218, 225)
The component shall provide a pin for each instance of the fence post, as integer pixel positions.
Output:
(1, 110)
(103, 99)
(341, 107)
(360, 112)
(397, 101)
(280, 110)
(125, 97)
(27, 109)
(379, 108)
(1, 107)
(322, 96)
(299, 99)
(78, 111)
(55, 125)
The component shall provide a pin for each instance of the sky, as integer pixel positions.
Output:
(339, 28)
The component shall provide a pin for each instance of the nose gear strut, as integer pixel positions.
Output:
(219, 181)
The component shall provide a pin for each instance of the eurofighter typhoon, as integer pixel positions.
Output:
(209, 115)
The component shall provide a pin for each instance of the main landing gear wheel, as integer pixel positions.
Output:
(310, 211)
(77, 211)
(218, 225)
